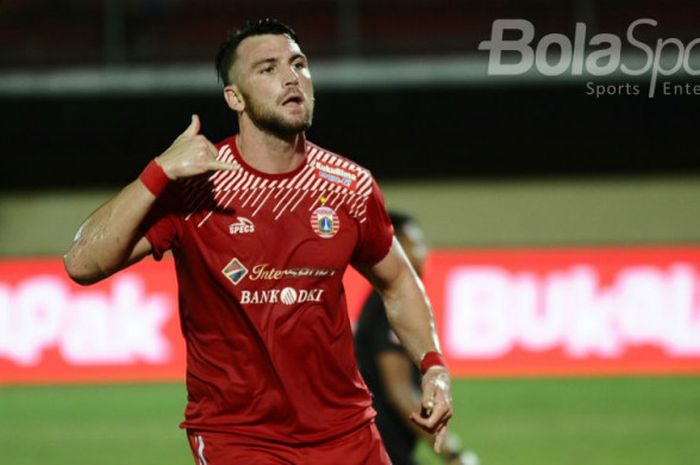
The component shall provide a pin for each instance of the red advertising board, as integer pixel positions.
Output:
(125, 328)
(568, 311)
(549, 312)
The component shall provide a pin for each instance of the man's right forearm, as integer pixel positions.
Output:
(105, 241)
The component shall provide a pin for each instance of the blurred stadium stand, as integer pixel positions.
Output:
(41, 34)
(86, 85)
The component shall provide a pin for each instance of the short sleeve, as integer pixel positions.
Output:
(160, 227)
(376, 230)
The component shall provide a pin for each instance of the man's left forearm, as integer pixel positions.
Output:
(410, 315)
(411, 318)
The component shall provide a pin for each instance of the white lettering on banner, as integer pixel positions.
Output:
(88, 327)
(491, 311)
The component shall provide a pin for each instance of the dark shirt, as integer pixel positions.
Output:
(372, 337)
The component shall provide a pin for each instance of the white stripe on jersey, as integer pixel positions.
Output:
(303, 196)
(254, 191)
(288, 202)
(270, 190)
(200, 450)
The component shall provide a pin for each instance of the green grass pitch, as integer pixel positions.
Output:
(599, 421)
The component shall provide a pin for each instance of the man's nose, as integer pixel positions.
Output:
(291, 77)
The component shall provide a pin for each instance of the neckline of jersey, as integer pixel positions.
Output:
(262, 174)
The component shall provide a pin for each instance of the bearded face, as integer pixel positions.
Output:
(275, 85)
(287, 115)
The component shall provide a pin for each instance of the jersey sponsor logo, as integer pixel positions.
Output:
(336, 175)
(241, 226)
(337, 179)
(325, 222)
(267, 272)
(287, 296)
(235, 271)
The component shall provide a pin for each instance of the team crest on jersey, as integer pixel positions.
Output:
(235, 271)
(325, 222)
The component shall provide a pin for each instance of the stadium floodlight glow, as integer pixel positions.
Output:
(574, 57)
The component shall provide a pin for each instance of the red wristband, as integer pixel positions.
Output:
(154, 178)
(432, 359)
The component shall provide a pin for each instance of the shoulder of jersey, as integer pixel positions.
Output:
(326, 177)
(338, 170)
(324, 170)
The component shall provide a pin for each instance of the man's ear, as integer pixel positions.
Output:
(234, 99)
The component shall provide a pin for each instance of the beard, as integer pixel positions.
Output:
(275, 123)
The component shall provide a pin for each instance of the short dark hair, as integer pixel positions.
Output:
(227, 50)
(400, 220)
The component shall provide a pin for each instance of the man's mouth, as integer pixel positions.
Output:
(297, 99)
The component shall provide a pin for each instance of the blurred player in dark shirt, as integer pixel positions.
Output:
(389, 372)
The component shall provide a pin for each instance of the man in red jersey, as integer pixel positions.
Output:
(262, 227)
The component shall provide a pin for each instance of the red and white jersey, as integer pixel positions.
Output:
(260, 260)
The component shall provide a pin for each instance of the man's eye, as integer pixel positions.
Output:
(267, 70)
(299, 65)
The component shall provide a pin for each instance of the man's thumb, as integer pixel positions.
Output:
(193, 128)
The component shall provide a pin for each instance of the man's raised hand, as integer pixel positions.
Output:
(191, 154)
